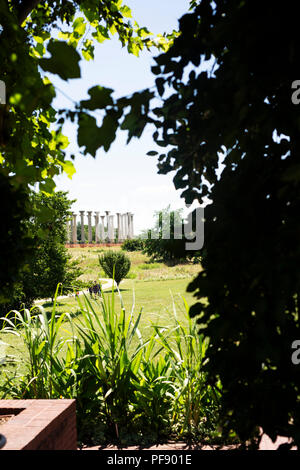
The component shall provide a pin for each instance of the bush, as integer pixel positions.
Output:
(115, 264)
(160, 242)
(161, 249)
(135, 244)
(78, 284)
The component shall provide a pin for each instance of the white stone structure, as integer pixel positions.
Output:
(105, 230)
(97, 231)
(74, 229)
(82, 226)
(102, 228)
(90, 232)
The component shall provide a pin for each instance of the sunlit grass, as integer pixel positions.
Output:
(142, 268)
(130, 368)
(153, 286)
(156, 298)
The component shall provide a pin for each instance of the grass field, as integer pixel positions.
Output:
(150, 286)
(140, 369)
(142, 268)
(153, 287)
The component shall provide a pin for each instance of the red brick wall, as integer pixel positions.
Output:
(40, 425)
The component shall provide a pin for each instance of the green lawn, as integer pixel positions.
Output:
(153, 289)
(155, 297)
(142, 268)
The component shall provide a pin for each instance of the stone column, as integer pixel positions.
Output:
(107, 224)
(125, 225)
(90, 234)
(120, 236)
(122, 226)
(74, 228)
(102, 231)
(110, 229)
(97, 232)
(131, 225)
(82, 226)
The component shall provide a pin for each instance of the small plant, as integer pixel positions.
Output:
(115, 264)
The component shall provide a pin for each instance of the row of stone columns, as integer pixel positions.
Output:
(105, 230)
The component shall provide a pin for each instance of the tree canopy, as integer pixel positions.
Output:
(240, 107)
(49, 263)
(37, 39)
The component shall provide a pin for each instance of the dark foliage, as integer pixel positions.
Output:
(32, 147)
(134, 244)
(167, 240)
(49, 263)
(15, 243)
(161, 249)
(251, 252)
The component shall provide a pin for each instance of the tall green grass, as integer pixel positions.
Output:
(128, 387)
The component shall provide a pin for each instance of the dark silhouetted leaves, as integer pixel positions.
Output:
(100, 97)
(64, 60)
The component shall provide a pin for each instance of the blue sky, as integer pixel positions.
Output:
(125, 178)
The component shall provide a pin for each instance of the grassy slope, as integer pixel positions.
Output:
(142, 268)
(151, 286)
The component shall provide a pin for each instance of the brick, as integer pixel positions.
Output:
(40, 424)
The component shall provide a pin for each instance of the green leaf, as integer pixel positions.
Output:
(125, 10)
(79, 26)
(64, 61)
(47, 186)
(87, 135)
(160, 85)
(68, 168)
(100, 98)
(88, 49)
(101, 34)
(133, 48)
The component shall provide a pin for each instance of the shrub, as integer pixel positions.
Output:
(115, 264)
(161, 249)
(161, 242)
(50, 262)
(79, 284)
(135, 244)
